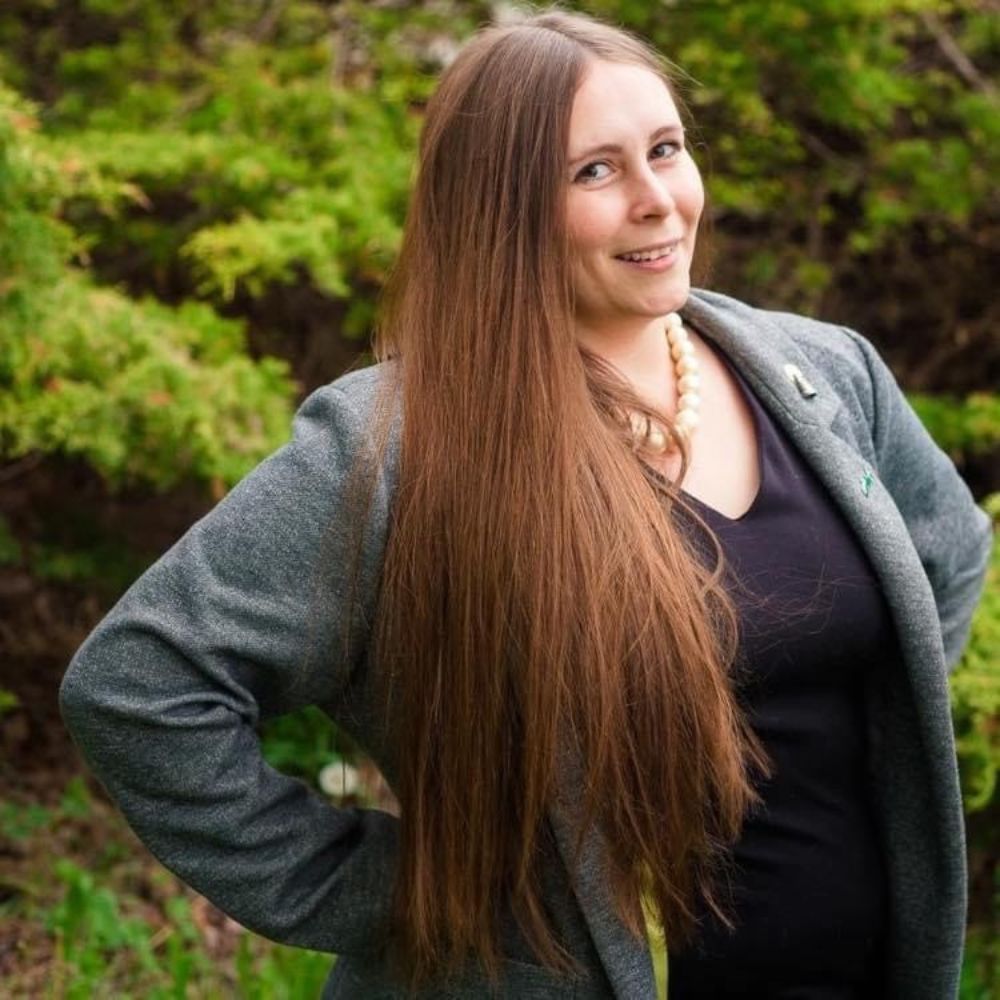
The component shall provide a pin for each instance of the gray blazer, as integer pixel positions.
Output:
(244, 618)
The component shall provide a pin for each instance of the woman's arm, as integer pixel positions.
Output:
(952, 535)
(246, 617)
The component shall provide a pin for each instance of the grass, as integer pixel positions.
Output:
(86, 913)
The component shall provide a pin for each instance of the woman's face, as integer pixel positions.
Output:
(633, 190)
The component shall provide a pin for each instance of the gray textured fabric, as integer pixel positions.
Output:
(244, 618)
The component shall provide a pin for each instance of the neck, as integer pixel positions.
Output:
(638, 350)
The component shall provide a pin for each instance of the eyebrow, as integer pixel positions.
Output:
(611, 147)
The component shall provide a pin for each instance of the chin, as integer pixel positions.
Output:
(670, 303)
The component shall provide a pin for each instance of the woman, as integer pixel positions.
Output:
(641, 598)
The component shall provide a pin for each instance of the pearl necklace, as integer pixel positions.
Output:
(686, 374)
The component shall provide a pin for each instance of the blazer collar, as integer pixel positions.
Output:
(775, 366)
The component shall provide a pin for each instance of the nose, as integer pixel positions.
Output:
(651, 197)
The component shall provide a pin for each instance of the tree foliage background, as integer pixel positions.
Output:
(200, 201)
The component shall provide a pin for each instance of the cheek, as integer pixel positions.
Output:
(693, 194)
(589, 223)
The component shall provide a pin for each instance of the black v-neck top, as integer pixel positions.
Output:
(808, 883)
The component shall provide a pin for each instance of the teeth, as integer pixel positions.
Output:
(648, 254)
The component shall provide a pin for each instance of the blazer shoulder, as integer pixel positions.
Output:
(348, 411)
(356, 392)
(362, 384)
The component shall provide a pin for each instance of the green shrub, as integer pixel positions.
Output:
(975, 692)
(113, 934)
(144, 392)
(969, 426)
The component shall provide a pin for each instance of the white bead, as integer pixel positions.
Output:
(682, 349)
(686, 420)
(686, 373)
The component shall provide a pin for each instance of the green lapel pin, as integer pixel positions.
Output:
(867, 481)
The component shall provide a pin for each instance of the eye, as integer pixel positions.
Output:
(665, 150)
(596, 171)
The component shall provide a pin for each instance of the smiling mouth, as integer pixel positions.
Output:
(656, 253)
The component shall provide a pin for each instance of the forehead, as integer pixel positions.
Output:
(615, 100)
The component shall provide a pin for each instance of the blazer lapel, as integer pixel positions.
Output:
(776, 368)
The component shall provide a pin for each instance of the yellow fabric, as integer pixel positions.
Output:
(659, 953)
(658, 949)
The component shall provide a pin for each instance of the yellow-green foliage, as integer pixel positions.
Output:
(225, 156)
(142, 391)
(975, 692)
(190, 165)
(968, 426)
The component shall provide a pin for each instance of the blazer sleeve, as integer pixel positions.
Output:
(242, 619)
(953, 537)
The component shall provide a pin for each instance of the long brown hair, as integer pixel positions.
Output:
(536, 596)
